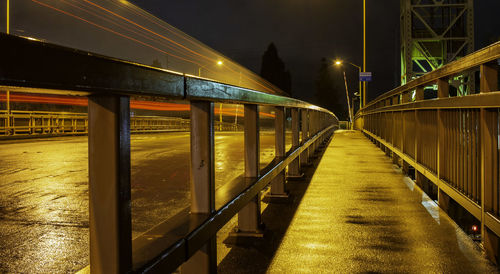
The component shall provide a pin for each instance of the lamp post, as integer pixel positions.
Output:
(7, 93)
(361, 102)
(218, 63)
(8, 17)
(348, 101)
(364, 54)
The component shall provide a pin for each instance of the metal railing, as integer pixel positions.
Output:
(42, 123)
(109, 84)
(451, 141)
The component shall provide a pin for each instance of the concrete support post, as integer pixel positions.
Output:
(294, 166)
(278, 187)
(202, 183)
(109, 184)
(249, 218)
(489, 83)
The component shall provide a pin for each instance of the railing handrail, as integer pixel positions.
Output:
(482, 56)
(101, 74)
(34, 66)
(450, 141)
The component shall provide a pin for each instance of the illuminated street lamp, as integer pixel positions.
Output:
(339, 62)
(218, 63)
(362, 97)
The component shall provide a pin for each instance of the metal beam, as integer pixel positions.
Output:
(109, 184)
(294, 167)
(249, 218)
(278, 187)
(202, 182)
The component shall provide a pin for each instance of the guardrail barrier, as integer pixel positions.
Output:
(41, 123)
(451, 140)
(189, 238)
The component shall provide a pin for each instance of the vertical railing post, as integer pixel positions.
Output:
(489, 83)
(304, 157)
(7, 126)
(249, 218)
(314, 131)
(278, 187)
(294, 166)
(418, 133)
(109, 184)
(310, 119)
(394, 132)
(419, 93)
(405, 99)
(202, 182)
(443, 92)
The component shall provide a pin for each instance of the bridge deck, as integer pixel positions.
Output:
(360, 214)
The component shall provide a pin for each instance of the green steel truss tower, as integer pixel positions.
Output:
(434, 33)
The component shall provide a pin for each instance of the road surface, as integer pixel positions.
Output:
(44, 193)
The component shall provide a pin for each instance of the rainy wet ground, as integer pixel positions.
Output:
(357, 213)
(44, 193)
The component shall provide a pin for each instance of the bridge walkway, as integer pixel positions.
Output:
(359, 213)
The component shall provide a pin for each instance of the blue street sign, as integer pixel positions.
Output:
(365, 76)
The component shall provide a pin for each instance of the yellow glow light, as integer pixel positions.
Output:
(219, 63)
(338, 62)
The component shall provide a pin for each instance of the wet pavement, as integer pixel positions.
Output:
(44, 193)
(356, 214)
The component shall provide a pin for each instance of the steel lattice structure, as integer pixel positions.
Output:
(434, 33)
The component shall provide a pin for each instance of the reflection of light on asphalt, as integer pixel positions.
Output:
(315, 245)
(51, 247)
(409, 183)
(219, 165)
(431, 207)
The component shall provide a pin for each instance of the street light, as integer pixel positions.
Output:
(339, 62)
(218, 63)
(364, 53)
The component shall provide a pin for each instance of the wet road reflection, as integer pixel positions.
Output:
(44, 193)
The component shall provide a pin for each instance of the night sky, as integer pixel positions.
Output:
(304, 31)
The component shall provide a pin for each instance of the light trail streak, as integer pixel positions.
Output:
(112, 31)
(125, 27)
(134, 104)
(259, 83)
(148, 30)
